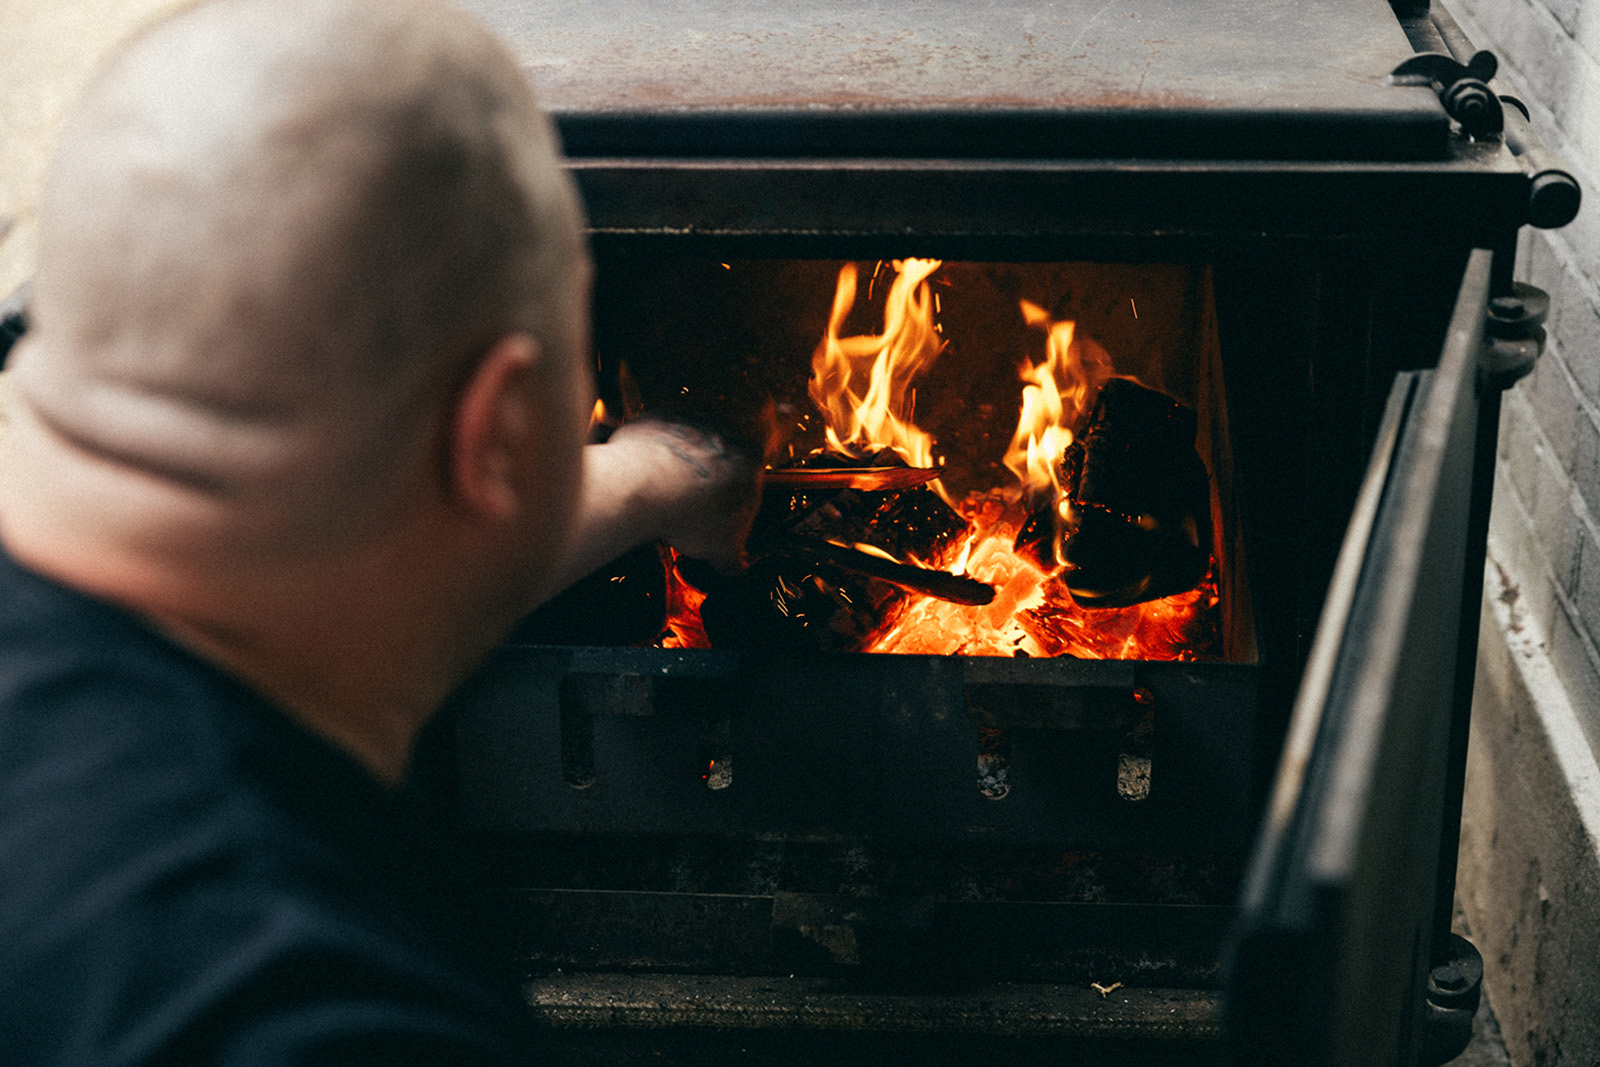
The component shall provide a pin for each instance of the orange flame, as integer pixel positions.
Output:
(1032, 613)
(862, 384)
(683, 627)
(1054, 398)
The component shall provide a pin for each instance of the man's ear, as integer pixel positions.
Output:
(491, 430)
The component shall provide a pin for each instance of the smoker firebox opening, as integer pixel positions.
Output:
(678, 774)
(997, 459)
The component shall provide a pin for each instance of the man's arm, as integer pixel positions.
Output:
(662, 481)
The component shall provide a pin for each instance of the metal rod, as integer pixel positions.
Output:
(1455, 40)
(1466, 670)
(872, 479)
(956, 588)
(1423, 34)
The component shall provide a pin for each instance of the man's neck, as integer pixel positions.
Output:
(359, 647)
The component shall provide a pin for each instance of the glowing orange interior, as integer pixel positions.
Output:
(864, 388)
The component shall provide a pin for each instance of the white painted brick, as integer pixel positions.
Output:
(1585, 465)
(1523, 446)
(1560, 530)
(1573, 657)
(1548, 482)
(1565, 12)
(1587, 26)
(1493, 24)
(1575, 99)
(1547, 68)
(1517, 547)
(1556, 409)
(1543, 410)
(1572, 313)
(1558, 264)
(1543, 53)
(1575, 342)
(1539, 263)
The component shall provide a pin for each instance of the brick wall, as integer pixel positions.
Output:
(1529, 881)
(1546, 525)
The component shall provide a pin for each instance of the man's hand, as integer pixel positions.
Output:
(703, 493)
(657, 480)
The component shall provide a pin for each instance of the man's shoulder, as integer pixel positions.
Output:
(99, 712)
(182, 868)
(133, 775)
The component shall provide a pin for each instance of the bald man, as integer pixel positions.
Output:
(295, 436)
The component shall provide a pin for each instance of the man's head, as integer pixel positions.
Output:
(277, 242)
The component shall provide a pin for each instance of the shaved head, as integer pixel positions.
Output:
(279, 234)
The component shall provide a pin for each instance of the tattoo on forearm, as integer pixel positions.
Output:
(681, 441)
(688, 457)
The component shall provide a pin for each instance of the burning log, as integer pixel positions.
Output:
(809, 588)
(875, 499)
(782, 603)
(1135, 524)
(871, 479)
(956, 588)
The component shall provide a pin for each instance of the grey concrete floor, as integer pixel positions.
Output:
(1487, 1048)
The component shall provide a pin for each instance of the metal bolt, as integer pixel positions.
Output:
(1507, 307)
(1449, 978)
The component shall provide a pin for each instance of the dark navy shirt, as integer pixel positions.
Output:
(188, 877)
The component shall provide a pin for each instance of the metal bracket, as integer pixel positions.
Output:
(1514, 335)
(1463, 90)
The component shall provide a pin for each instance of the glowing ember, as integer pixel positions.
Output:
(683, 628)
(1032, 613)
(863, 385)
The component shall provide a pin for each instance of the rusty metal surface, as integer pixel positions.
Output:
(919, 942)
(716, 1002)
(829, 78)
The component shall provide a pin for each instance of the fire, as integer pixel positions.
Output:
(1033, 615)
(864, 387)
(683, 628)
(1056, 394)
(862, 384)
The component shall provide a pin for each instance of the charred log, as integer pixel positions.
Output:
(1137, 520)
(957, 589)
(786, 604)
(805, 593)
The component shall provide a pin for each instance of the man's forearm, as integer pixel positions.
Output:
(614, 513)
(660, 481)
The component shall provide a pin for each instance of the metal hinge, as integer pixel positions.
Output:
(1450, 1001)
(1463, 90)
(1513, 335)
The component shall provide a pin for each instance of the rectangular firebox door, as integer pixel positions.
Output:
(1340, 907)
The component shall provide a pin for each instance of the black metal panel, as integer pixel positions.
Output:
(1335, 947)
(1247, 79)
(853, 745)
(915, 206)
